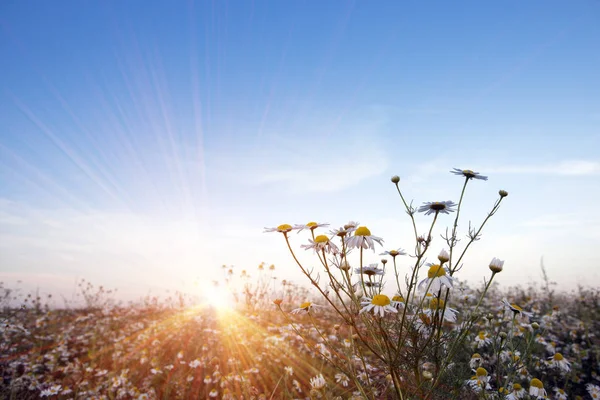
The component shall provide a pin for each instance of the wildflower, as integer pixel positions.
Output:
(380, 303)
(52, 391)
(394, 253)
(593, 390)
(371, 270)
(342, 379)
(289, 371)
(517, 392)
(496, 265)
(284, 228)
(560, 394)
(515, 308)
(398, 301)
(558, 361)
(321, 243)
(436, 304)
(443, 256)
(430, 207)
(306, 306)
(277, 302)
(318, 382)
(536, 388)
(311, 225)
(482, 339)
(467, 173)
(363, 238)
(213, 393)
(475, 360)
(480, 380)
(438, 277)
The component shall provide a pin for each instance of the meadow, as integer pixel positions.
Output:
(353, 331)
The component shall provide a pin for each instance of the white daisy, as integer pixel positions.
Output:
(558, 361)
(318, 382)
(560, 394)
(496, 265)
(283, 228)
(342, 379)
(398, 301)
(536, 388)
(515, 308)
(321, 243)
(362, 238)
(371, 270)
(430, 207)
(467, 173)
(306, 306)
(380, 304)
(394, 253)
(438, 277)
(311, 226)
(517, 392)
(475, 361)
(436, 304)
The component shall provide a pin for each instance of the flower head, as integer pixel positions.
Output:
(438, 277)
(306, 306)
(321, 243)
(467, 173)
(283, 228)
(496, 265)
(394, 253)
(536, 388)
(430, 207)
(558, 361)
(310, 225)
(362, 238)
(380, 304)
(371, 270)
(515, 308)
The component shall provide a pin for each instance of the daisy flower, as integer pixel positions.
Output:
(560, 394)
(515, 308)
(558, 361)
(380, 304)
(536, 388)
(517, 392)
(321, 243)
(371, 270)
(496, 265)
(398, 301)
(438, 277)
(480, 380)
(342, 379)
(467, 173)
(430, 207)
(318, 382)
(443, 256)
(482, 339)
(436, 304)
(593, 390)
(475, 361)
(306, 306)
(283, 228)
(394, 253)
(362, 238)
(311, 226)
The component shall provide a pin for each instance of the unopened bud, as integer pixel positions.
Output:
(383, 261)
(395, 179)
(503, 193)
(535, 325)
(427, 375)
(503, 335)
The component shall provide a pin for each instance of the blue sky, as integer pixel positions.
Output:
(144, 144)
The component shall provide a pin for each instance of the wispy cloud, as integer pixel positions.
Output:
(562, 168)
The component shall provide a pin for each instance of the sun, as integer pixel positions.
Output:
(217, 298)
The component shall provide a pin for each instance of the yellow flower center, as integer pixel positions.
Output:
(284, 228)
(481, 372)
(435, 271)
(362, 231)
(476, 355)
(380, 300)
(535, 382)
(305, 305)
(468, 173)
(516, 307)
(434, 303)
(321, 239)
(517, 386)
(481, 335)
(311, 225)
(393, 253)
(558, 357)
(437, 206)
(398, 298)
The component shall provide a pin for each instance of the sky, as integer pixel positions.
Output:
(145, 144)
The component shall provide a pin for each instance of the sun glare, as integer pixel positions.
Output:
(218, 299)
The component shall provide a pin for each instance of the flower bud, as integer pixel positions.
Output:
(496, 265)
(278, 302)
(427, 375)
(503, 335)
(395, 179)
(535, 325)
(503, 193)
